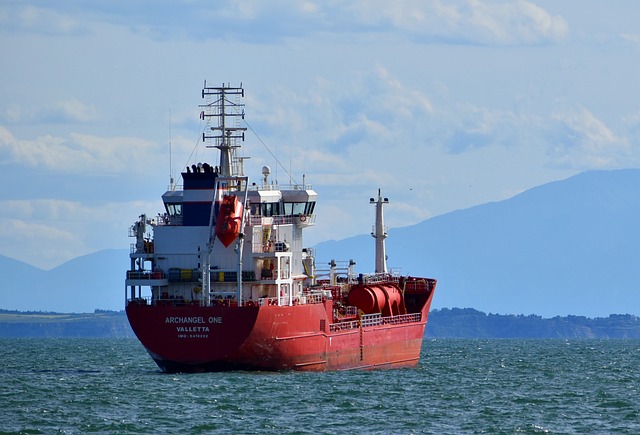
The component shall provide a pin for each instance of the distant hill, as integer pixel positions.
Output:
(567, 247)
(101, 324)
(470, 323)
(445, 323)
(81, 285)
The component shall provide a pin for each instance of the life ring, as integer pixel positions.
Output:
(265, 248)
(303, 218)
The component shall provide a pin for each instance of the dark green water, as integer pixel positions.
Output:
(460, 386)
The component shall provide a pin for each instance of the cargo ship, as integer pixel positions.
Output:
(221, 280)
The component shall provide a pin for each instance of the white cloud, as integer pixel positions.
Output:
(80, 153)
(17, 17)
(459, 22)
(512, 23)
(582, 141)
(468, 126)
(68, 111)
(39, 244)
(47, 232)
(13, 114)
(634, 38)
(470, 21)
(374, 108)
(376, 113)
(71, 110)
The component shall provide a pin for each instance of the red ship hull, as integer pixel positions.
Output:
(301, 337)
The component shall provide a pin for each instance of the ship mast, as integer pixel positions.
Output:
(228, 133)
(380, 234)
(226, 137)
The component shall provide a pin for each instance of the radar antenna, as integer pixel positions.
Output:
(223, 116)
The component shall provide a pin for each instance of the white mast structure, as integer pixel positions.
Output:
(380, 234)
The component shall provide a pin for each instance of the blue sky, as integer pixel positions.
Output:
(441, 104)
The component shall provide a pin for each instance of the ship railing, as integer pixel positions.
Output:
(261, 302)
(145, 274)
(256, 220)
(344, 326)
(146, 247)
(314, 298)
(375, 278)
(166, 220)
(371, 319)
(281, 187)
(402, 318)
(143, 300)
(222, 295)
(182, 302)
(350, 310)
(341, 272)
(163, 301)
(377, 319)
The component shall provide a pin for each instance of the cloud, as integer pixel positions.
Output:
(68, 111)
(71, 111)
(53, 229)
(634, 38)
(582, 141)
(372, 107)
(513, 23)
(375, 113)
(21, 239)
(464, 22)
(475, 22)
(58, 230)
(461, 22)
(470, 127)
(14, 17)
(80, 153)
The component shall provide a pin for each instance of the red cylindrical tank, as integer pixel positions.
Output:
(377, 298)
(367, 298)
(394, 300)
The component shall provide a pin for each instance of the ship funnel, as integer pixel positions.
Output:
(380, 234)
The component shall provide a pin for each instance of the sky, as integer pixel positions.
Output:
(442, 105)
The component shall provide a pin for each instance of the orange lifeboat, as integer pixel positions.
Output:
(229, 220)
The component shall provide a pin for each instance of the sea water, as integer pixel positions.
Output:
(460, 386)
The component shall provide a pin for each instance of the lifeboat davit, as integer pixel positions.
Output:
(229, 220)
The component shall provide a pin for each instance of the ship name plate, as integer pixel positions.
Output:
(193, 320)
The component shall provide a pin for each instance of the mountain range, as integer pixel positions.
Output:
(81, 285)
(566, 247)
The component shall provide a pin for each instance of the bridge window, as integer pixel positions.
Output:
(309, 207)
(270, 209)
(298, 208)
(174, 209)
